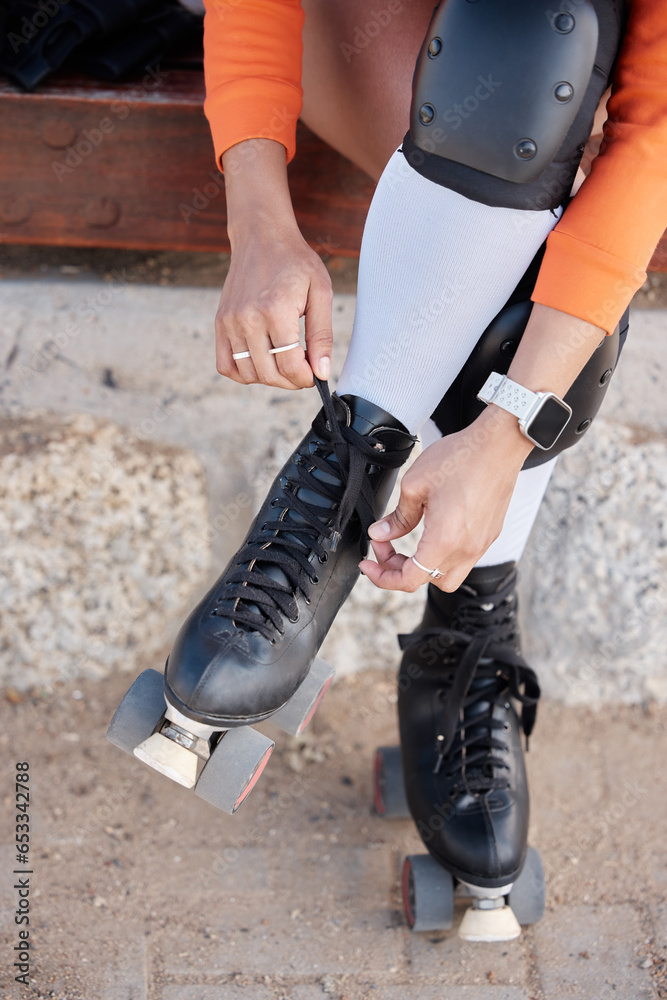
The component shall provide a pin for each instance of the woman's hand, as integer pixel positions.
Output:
(274, 279)
(462, 486)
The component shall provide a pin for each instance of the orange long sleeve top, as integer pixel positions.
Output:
(597, 254)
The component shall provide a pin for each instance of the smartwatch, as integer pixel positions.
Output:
(542, 415)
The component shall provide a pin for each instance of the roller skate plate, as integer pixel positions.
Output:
(222, 766)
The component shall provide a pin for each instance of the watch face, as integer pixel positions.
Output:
(550, 420)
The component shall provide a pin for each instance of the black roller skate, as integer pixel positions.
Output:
(462, 762)
(247, 651)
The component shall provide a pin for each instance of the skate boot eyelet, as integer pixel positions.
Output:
(293, 620)
(324, 557)
(275, 502)
(314, 580)
(307, 600)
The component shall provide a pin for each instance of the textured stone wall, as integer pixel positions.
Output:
(595, 574)
(101, 546)
(140, 361)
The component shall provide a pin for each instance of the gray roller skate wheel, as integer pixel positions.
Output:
(389, 798)
(428, 894)
(234, 766)
(293, 717)
(527, 895)
(139, 712)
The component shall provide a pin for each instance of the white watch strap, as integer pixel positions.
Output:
(509, 395)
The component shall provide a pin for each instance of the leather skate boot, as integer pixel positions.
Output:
(463, 764)
(247, 646)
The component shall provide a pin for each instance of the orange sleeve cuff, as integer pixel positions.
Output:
(257, 109)
(252, 66)
(587, 282)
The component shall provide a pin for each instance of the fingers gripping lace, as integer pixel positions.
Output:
(260, 601)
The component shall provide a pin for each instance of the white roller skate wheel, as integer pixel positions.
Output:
(389, 799)
(489, 925)
(428, 894)
(139, 713)
(293, 717)
(169, 758)
(233, 768)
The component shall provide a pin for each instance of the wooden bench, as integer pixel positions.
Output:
(130, 165)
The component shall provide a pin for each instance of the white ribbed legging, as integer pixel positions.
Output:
(435, 269)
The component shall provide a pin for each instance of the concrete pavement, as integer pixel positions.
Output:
(143, 892)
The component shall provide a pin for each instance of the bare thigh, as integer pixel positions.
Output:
(357, 77)
(357, 74)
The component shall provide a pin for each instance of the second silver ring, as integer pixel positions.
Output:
(289, 347)
(435, 574)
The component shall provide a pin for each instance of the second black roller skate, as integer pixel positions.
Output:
(462, 761)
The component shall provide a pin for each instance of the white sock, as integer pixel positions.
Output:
(435, 269)
(521, 513)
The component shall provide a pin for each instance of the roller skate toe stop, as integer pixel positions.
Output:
(498, 924)
(169, 758)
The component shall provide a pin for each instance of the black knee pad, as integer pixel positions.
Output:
(504, 96)
(494, 352)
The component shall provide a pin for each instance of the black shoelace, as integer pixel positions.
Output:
(485, 629)
(261, 602)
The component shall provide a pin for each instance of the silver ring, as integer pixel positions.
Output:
(240, 355)
(435, 574)
(279, 350)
